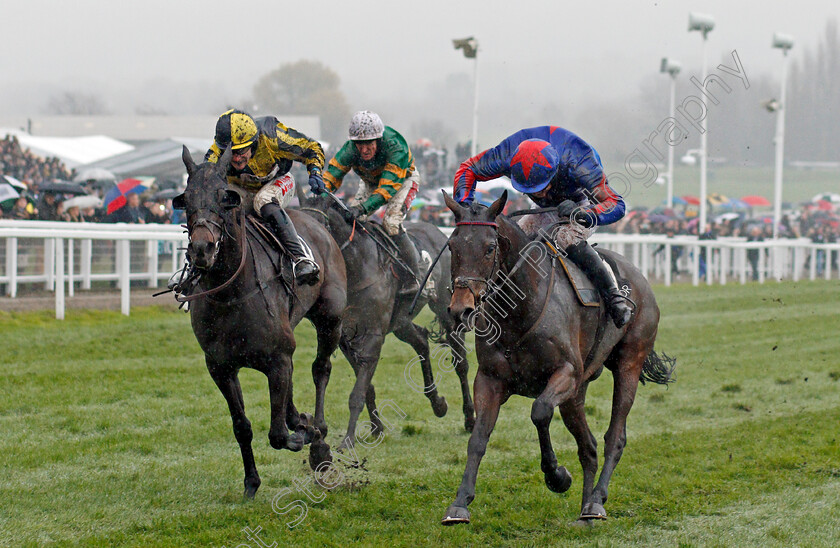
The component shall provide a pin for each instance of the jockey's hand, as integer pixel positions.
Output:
(584, 217)
(566, 208)
(353, 212)
(316, 182)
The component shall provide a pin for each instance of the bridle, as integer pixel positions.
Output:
(217, 245)
(463, 282)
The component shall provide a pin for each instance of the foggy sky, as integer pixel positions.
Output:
(195, 57)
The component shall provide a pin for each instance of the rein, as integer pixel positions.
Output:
(213, 291)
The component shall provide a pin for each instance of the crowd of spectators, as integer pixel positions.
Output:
(24, 165)
(46, 205)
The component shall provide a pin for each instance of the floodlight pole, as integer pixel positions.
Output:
(672, 68)
(474, 147)
(780, 146)
(704, 24)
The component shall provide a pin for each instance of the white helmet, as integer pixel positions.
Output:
(366, 125)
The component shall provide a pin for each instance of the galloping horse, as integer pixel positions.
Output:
(544, 346)
(375, 309)
(244, 312)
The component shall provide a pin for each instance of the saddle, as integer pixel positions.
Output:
(585, 290)
(378, 232)
(280, 258)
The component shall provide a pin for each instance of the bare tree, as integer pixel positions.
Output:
(74, 102)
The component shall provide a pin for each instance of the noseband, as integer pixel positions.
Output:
(207, 223)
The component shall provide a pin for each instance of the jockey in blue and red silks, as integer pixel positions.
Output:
(556, 168)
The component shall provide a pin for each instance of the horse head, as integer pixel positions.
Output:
(208, 203)
(476, 254)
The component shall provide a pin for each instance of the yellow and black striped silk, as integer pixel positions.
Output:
(277, 145)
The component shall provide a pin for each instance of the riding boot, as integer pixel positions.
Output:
(583, 255)
(305, 269)
(408, 255)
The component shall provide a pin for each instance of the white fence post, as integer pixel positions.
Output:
(11, 266)
(59, 278)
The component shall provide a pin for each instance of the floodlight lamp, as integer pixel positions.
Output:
(700, 21)
(670, 66)
(782, 41)
(469, 45)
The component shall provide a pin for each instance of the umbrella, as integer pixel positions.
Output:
(8, 192)
(115, 198)
(61, 187)
(716, 199)
(82, 202)
(676, 199)
(8, 179)
(734, 203)
(93, 175)
(167, 194)
(693, 200)
(755, 201)
(827, 197)
(824, 205)
(727, 217)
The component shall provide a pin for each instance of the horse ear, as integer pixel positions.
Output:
(224, 161)
(453, 206)
(498, 206)
(179, 202)
(188, 161)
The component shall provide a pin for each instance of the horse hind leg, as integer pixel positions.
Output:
(418, 338)
(574, 418)
(628, 360)
(328, 338)
(560, 388)
(229, 386)
(283, 412)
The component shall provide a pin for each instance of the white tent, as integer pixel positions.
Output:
(72, 151)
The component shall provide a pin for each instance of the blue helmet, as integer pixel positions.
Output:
(533, 165)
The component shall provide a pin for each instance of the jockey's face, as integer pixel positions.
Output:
(367, 149)
(240, 158)
(542, 193)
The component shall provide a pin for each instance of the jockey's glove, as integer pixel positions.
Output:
(566, 208)
(316, 182)
(584, 217)
(353, 212)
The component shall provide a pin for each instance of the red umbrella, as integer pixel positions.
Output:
(693, 200)
(115, 198)
(756, 201)
(823, 205)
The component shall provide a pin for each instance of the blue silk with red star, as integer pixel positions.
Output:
(580, 176)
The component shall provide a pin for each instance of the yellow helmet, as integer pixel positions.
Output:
(235, 129)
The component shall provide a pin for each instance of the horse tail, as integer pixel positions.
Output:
(658, 369)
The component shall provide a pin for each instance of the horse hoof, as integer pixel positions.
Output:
(346, 443)
(558, 480)
(319, 453)
(294, 442)
(592, 511)
(439, 407)
(455, 515)
(251, 489)
(469, 422)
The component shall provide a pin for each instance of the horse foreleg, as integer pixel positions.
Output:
(363, 358)
(625, 382)
(321, 368)
(490, 394)
(279, 375)
(560, 388)
(418, 338)
(228, 383)
(455, 340)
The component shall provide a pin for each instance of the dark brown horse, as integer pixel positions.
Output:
(244, 314)
(534, 340)
(375, 309)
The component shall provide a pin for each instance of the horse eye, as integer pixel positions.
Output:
(490, 249)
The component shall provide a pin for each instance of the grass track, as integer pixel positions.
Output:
(112, 433)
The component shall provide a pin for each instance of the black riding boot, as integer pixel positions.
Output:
(590, 262)
(305, 269)
(408, 255)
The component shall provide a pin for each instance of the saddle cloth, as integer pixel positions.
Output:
(585, 290)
